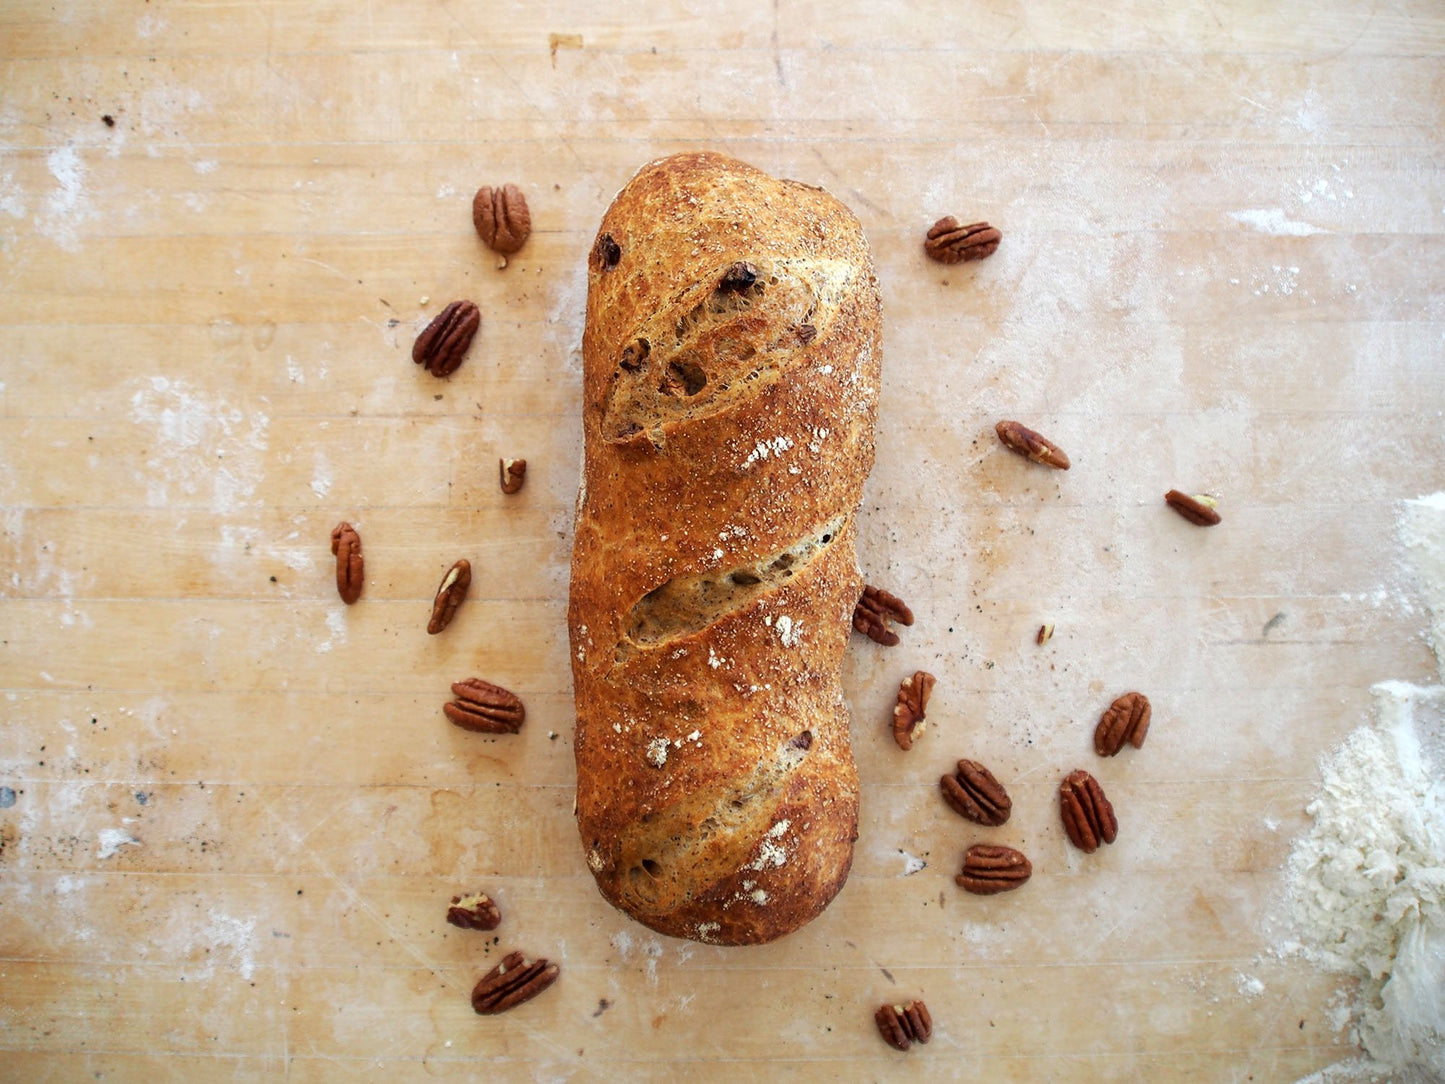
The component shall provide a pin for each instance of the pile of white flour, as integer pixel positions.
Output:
(1367, 883)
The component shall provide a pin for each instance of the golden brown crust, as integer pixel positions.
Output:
(730, 368)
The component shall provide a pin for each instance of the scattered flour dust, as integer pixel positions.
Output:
(1367, 883)
(204, 447)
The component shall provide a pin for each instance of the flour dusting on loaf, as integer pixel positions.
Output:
(730, 373)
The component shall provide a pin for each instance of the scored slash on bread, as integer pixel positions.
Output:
(730, 377)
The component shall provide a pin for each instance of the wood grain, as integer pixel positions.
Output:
(238, 810)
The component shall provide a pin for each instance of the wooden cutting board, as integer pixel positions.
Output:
(235, 813)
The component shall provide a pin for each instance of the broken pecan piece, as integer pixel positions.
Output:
(453, 590)
(737, 278)
(501, 218)
(874, 609)
(1198, 510)
(474, 912)
(973, 793)
(1125, 722)
(1023, 440)
(350, 566)
(512, 982)
(606, 253)
(948, 242)
(909, 712)
(1088, 816)
(989, 870)
(440, 347)
(903, 1025)
(485, 708)
(514, 473)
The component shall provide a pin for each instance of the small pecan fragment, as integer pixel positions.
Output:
(1198, 510)
(453, 590)
(350, 566)
(807, 333)
(989, 870)
(485, 708)
(1125, 722)
(1045, 634)
(903, 1025)
(514, 473)
(909, 712)
(738, 278)
(501, 218)
(948, 242)
(1088, 817)
(512, 982)
(972, 792)
(874, 609)
(1023, 440)
(474, 912)
(606, 253)
(442, 345)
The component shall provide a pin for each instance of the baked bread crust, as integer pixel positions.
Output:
(730, 373)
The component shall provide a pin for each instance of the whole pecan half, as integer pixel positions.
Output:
(972, 792)
(514, 473)
(909, 712)
(350, 566)
(1023, 440)
(1088, 817)
(474, 912)
(485, 708)
(440, 347)
(501, 218)
(948, 242)
(988, 870)
(1125, 722)
(1199, 510)
(453, 590)
(903, 1025)
(874, 609)
(512, 982)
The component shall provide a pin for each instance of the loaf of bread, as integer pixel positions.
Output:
(730, 373)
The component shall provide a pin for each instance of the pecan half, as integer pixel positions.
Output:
(948, 242)
(514, 473)
(453, 590)
(512, 982)
(874, 609)
(475, 912)
(350, 566)
(1023, 440)
(1197, 510)
(485, 708)
(606, 253)
(440, 347)
(501, 218)
(1088, 817)
(1125, 722)
(908, 713)
(738, 278)
(903, 1025)
(989, 870)
(972, 792)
